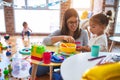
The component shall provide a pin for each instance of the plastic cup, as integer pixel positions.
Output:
(95, 50)
(46, 57)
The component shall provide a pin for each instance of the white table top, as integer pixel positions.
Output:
(74, 67)
(115, 38)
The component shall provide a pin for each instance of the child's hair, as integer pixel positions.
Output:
(24, 23)
(109, 14)
(99, 19)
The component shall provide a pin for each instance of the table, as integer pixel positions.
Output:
(113, 39)
(74, 67)
(36, 63)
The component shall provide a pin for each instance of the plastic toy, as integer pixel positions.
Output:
(6, 36)
(0, 46)
(107, 71)
(10, 69)
(25, 51)
(68, 47)
(57, 58)
(37, 52)
(16, 66)
(84, 15)
(0, 72)
(8, 53)
(6, 73)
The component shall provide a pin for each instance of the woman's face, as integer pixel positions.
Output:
(72, 23)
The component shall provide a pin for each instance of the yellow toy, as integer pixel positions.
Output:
(68, 47)
(37, 52)
(84, 15)
(108, 71)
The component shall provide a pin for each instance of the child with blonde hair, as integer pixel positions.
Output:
(98, 24)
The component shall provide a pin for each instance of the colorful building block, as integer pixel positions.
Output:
(37, 52)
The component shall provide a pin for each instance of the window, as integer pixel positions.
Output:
(117, 28)
(2, 20)
(41, 15)
(81, 5)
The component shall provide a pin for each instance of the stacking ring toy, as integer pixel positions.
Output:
(25, 51)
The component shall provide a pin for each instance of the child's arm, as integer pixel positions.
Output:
(84, 48)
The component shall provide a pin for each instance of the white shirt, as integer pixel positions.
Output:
(101, 41)
(26, 29)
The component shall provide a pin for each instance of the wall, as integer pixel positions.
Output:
(9, 19)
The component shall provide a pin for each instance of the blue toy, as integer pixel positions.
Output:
(8, 53)
(25, 51)
(57, 58)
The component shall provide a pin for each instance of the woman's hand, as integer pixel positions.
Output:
(69, 39)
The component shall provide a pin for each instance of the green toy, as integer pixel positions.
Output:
(10, 69)
(6, 73)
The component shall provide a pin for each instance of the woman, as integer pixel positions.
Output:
(70, 32)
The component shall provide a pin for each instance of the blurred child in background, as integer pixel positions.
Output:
(26, 30)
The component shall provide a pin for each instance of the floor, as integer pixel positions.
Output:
(38, 39)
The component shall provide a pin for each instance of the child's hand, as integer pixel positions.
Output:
(86, 48)
(83, 48)
(79, 48)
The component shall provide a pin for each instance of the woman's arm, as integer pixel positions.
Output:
(69, 39)
(56, 37)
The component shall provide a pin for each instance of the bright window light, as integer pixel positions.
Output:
(81, 3)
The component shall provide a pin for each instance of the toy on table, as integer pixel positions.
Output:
(37, 52)
(57, 58)
(68, 47)
(25, 51)
(109, 71)
(78, 44)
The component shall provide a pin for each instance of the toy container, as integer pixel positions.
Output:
(16, 64)
(68, 47)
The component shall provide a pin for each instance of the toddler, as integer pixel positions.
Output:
(98, 24)
(26, 30)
